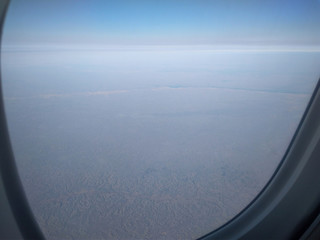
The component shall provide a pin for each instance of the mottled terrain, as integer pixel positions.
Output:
(150, 144)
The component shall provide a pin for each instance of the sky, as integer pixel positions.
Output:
(166, 22)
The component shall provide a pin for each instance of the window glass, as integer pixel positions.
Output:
(153, 119)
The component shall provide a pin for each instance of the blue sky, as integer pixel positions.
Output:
(166, 22)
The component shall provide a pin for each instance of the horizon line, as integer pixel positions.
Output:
(167, 47)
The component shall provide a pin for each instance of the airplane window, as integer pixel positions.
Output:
(153, 119)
